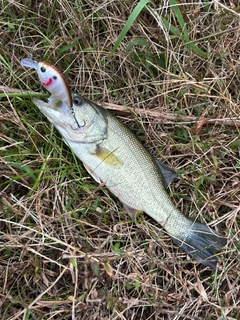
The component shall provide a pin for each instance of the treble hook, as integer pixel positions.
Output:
(79, 126)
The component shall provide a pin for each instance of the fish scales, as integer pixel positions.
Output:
(138, 182)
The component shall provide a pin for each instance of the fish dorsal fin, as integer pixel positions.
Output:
(168, 174)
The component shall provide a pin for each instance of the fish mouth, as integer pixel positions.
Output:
(50, 103)
(55, 109)
(59, 114)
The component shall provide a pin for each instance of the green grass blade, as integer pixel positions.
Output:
(139, 42)
(198, 51)
(184, 36)
(19, 94)
(179, 16)
(25, 168)
(171, 28)
(129, 23)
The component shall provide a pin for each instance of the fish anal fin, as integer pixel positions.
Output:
(108, 157)
(168, 174)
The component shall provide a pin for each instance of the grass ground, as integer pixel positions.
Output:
(68, 250)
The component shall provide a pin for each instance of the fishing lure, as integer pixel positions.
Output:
(51, 79)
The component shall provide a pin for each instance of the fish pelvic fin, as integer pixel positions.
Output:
(202, 243)
(132, 212)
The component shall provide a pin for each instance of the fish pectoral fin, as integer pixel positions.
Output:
(132, 212)
(168, 174)
(95, 177)
(108, 157)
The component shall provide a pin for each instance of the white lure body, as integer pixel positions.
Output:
(51, 79)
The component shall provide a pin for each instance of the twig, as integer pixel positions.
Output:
(234, 122)
(169, 116)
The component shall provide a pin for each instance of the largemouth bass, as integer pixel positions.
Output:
(114, 156)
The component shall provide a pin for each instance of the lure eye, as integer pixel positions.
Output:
(78, 101)
(55, 77)
(43, 69)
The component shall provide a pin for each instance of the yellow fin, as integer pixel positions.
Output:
(108, 157)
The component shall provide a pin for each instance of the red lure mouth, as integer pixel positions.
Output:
(48, 83)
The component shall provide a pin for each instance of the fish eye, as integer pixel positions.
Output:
(55, 77)
(78, 101)
(43, 69)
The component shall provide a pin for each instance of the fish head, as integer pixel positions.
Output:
(80, 123)
(84, 112)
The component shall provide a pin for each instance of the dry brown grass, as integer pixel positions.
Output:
(68, 251)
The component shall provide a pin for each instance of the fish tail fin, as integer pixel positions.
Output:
(201, 244)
